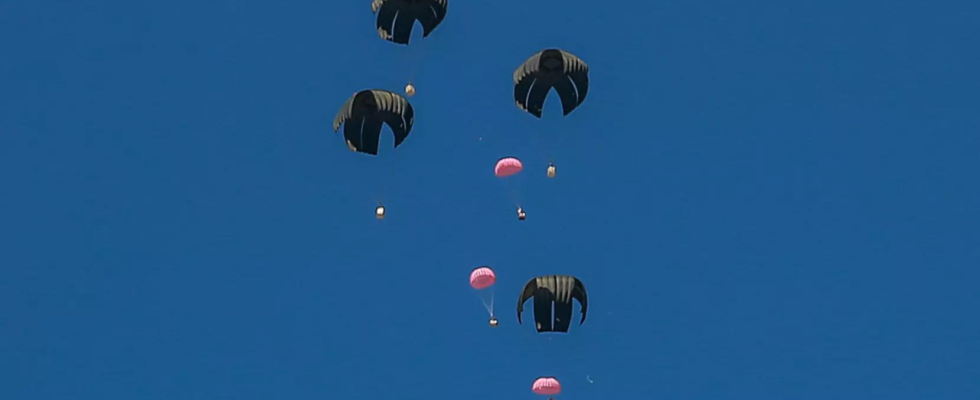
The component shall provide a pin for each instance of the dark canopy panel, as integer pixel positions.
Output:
(553, 291)
(365, 112)
(551, 68)
(396, 17)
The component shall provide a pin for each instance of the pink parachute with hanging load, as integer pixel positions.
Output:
(507, 166)
(482, 278)
(546, 386)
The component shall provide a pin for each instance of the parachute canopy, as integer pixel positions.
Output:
(507, 166)
(396, 17)
(557, 290)
(482, 278)
(546, 385)
(551, 68)
(364, 113)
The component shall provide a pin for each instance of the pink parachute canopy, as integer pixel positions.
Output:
(482, 278)
(507, 166)
(546, 385)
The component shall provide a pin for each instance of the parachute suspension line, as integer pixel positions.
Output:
(386, 162)
(553, 135)
(390, 165)
(560, 136)
(415, 57)
(411, 59)
(491, 303)
(536, 130)
(511, 189)
(406, 61)
(516, 194)
(487, 305)
(538, 143)
(382, 189)
(379, 192)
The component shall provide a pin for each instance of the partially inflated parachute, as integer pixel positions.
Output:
(557, 291)
(546, 386)
(396, 17)
(551, 68)
(507, 166)
(482, 278)
(365, 112)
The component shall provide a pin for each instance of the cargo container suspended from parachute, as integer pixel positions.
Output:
(363, 116)
(396, 19)
(556, 290)
(547, 69)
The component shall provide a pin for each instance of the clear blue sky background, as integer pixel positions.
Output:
(765, 199)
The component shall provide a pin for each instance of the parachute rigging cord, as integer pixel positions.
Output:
(488, 303)
(513, 192)
(413, 59)
(491, 304)
(540, 143)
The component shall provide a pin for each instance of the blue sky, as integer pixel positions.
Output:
(764, 199)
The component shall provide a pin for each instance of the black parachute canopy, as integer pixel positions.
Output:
(557, 290)
(551, 68)
(403, 14)
(364, 113)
